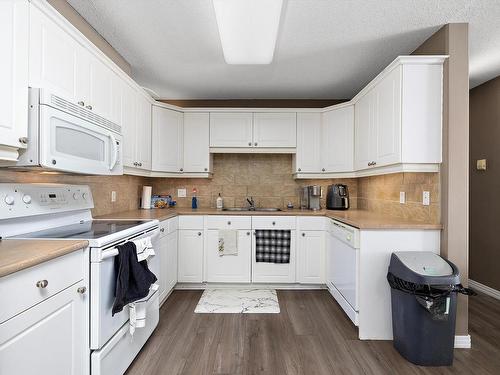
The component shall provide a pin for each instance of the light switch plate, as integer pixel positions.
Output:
(426, 198)
(181, 193)
(113, 196)
(402, 197)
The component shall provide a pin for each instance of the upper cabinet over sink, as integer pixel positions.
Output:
(253, 132)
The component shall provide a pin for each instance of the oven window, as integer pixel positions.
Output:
(79, 143)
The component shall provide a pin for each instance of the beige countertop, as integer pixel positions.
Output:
(357, 218)
(16, 255)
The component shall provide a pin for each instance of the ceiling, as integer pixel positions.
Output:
(325, 48)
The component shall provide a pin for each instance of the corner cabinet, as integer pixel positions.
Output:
(398, 117)
(167, 140)
(14, 34)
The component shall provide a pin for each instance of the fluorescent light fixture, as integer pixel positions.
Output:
(248, 29)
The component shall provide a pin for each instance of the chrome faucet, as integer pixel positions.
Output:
(251, 204)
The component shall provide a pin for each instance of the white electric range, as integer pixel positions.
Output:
(61, 212)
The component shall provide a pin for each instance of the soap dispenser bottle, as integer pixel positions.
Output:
(219, 203)
(194, 200)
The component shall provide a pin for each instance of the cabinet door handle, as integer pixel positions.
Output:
(82, 290)
(249, 143)
(303, 234)
(374, 163)
(206, 169)
(369, 163)
(248, 233)
(299, 169)
(42, 284)
(199, 233)
(89, 107)
(23, 140)
(322, 169)
(162, 230)
(182, 169)
(274, 223)
(81, 103)
(140, 164)
(255, 144)
(228, 223)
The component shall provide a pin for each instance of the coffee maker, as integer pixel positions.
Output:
(310, 197)
(337, 197)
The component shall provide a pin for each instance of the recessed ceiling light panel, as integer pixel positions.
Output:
(248, 29)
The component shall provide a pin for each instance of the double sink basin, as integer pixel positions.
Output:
(245, 209)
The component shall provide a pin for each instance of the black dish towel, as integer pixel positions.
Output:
(133, 278)
(272, 246)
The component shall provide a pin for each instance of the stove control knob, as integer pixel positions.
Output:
(76, 196)
(27, 199)
(9, 199)
(84, 196)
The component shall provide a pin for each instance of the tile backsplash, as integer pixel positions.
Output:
(265, 177)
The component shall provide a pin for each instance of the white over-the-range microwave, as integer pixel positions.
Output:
(66, 137)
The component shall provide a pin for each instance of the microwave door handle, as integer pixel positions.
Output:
(115, 152)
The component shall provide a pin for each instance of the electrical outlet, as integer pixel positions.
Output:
(402, 197)
(113, 196)
(181, 193)
(426, 198)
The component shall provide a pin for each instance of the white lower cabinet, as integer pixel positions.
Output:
(311, 257)
(49, 338)
(167, 248)
(229, 268)
(190, 255)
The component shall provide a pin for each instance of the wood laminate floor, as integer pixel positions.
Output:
(310, 336)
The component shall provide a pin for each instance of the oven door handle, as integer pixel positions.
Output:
(115, 152)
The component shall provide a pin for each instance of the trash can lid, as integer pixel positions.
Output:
(425, 263)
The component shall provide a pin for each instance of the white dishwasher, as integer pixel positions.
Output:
(343, 267)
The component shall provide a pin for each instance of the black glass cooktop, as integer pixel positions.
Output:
(86, 230)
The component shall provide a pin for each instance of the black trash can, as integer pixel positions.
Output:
(424, 290)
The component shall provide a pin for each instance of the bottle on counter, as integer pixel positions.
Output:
(219, 203)
(194, 200)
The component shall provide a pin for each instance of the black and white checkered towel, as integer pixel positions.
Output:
(272, 246)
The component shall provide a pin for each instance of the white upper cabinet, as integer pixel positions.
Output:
(14, 33)
(143, 136)
(196, 142)
(231, 129)
(337, 147)
(398, 117)
(253, 130)
(274, 130)
(129, 129)
(308, 157)
(167, 140)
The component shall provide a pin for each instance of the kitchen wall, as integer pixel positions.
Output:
(485, 185)
(265, 177)
(453, 40)
(381, 194)
(128, 188)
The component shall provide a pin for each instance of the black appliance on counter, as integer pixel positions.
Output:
(337, 197)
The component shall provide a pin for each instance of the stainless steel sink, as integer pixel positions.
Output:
(244, 209)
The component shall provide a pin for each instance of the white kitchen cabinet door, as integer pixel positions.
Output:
(190, 255)
(167, 141)
(363, 131)
(143, 132)
(337, 149)
(308, 156)
(275, 130)
(53, 57)
(196, 142)
(14, 34)
(329, 259)
(172, 260)
(229, 268)
(101, 89)
(129, 128)
(311, 257)
(49, 338)
(231, 129)
(387, 131)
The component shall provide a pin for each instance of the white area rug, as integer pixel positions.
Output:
(238, 301)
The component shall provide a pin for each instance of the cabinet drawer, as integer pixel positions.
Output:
(168, 226)
(20, 292)
(191, 222)
(312, 223)
(228, 222)
(273, 222)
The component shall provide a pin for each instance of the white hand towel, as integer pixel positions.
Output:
(137, 311)
(144, 248)
(228, 242)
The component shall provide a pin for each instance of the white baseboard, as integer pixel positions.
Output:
(202, 286)
(484, 289)
(462, 342)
